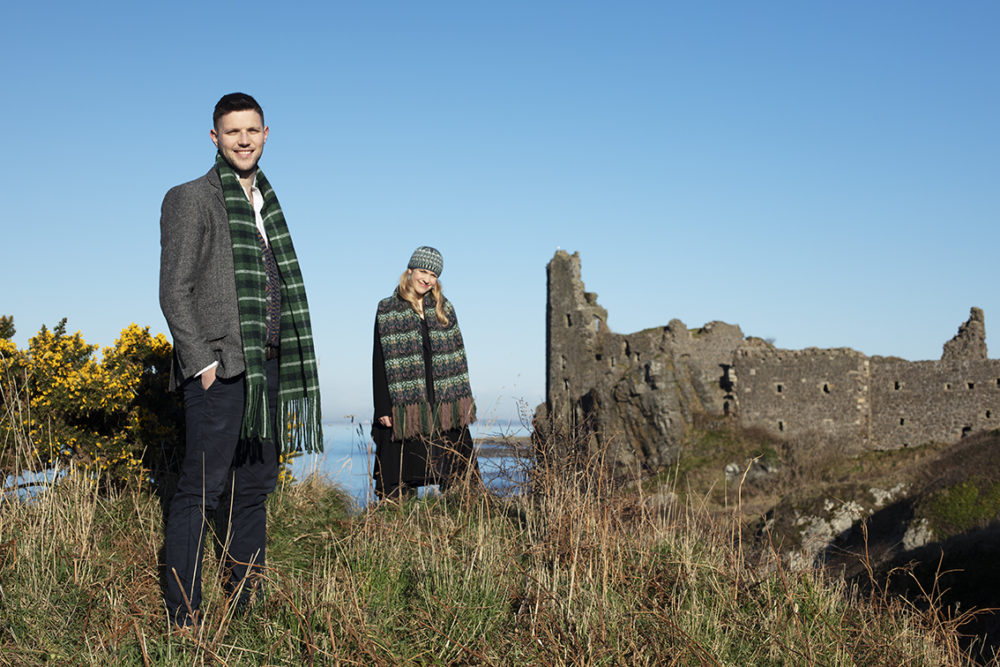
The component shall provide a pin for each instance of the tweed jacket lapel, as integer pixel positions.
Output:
(213, 180)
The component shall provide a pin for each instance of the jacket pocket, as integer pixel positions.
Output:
(215, 342)
(215, 333)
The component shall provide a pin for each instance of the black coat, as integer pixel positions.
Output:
(417, 461)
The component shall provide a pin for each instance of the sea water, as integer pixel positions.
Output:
(349, 454)
(347, 461)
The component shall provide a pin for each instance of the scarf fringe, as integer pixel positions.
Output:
(419, 419)
(255, 411)
(300, 417)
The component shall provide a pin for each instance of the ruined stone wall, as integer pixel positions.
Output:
(801, 393)
(636, 394)
(916, 402)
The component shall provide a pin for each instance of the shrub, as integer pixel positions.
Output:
(967, 505)
(113, 416)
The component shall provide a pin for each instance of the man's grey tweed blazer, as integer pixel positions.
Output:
(197, 280)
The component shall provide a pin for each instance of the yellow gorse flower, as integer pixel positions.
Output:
(107, 410)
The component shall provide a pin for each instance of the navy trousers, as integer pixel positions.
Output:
(224, 481)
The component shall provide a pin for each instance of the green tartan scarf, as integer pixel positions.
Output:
(402, 347)
(298, 393)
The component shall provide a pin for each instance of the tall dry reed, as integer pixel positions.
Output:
(575, 570)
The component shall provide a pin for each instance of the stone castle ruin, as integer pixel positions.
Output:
(638, 393)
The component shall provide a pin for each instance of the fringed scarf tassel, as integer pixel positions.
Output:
(418, 419)
(255, 409)
(300, 419)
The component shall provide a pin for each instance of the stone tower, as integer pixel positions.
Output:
(634, 393)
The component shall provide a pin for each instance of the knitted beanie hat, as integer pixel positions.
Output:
(427, 258)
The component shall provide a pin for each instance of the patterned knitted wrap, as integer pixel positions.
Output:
(402, 347)
(298, 392)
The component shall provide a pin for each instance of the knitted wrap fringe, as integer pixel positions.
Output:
(417, 419)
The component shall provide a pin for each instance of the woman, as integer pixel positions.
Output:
(420, 381)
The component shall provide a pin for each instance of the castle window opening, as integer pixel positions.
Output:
(902, 421)
(898, 385)
(989, 414)
(781, 426)
(972, 385)
(947, 386)
(966, 430)
(566, 384)
(826, 388)
(597, 357)
(779, 387)
(597, 325)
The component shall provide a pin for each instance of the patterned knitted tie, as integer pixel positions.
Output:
(273, 293)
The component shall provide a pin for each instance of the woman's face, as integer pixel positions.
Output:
(422, 280)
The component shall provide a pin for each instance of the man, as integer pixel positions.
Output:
(232, 295)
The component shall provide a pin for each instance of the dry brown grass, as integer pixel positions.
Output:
(574, 572)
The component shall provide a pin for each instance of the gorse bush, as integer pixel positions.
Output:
(112, 416)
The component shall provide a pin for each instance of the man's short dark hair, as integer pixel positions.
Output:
(235, 102)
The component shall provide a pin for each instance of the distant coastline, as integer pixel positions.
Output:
(493, 440)
(504, 447)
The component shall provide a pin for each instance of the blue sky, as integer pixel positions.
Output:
(820, 173)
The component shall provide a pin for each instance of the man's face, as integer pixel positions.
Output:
(240, 137)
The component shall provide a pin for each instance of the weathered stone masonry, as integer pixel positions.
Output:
(637, 393)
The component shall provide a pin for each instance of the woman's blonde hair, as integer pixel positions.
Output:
(408, 294)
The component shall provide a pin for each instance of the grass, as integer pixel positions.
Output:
(576, 573)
